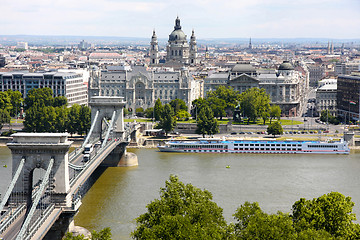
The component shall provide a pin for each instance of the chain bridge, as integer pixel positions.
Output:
(48, 182)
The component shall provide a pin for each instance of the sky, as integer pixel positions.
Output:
(335, 19)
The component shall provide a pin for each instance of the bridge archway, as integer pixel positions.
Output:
(37, 149)
(106, 108)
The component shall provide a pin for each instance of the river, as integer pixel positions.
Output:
(275, 181)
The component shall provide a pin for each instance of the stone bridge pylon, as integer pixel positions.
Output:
(36, 151)
(103, 109)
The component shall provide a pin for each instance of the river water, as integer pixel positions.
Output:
(275, 181)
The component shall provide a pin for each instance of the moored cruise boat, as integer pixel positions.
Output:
(207, 145)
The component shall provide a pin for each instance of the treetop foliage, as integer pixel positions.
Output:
(186, 212)
(182, 212)
(44, 113)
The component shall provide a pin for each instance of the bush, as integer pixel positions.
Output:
(8, 133)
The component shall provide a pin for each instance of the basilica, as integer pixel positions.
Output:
(178, 51)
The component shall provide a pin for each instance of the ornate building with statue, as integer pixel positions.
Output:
(179, 51)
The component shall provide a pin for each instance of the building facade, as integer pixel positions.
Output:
(141, 87)
(285, 86)
(348, 95)
(326, 98)
(68, 84)
(316, 73)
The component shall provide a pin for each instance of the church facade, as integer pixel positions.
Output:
(178, 50)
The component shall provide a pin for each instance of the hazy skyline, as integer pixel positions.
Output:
(209, 18)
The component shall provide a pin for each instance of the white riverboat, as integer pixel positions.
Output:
(212, 145)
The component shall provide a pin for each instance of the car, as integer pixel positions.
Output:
(326, 131)
(311, 132)
(86, 157)
(241, 132)
(250, 133)
(305, 120)
(258, 132)
(233, 133)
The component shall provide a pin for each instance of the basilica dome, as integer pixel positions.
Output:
(177, 34)
(286, 65)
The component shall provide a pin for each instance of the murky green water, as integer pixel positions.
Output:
(275, 181)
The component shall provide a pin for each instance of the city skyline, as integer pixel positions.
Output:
(232, 19)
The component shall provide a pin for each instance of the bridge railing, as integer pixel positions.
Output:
(101, 150)
(12, 218)
(37, 224)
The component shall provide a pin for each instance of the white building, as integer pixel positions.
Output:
(68, 84)
(141, 87)
(326, 98)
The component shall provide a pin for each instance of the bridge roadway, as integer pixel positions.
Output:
(43, 224)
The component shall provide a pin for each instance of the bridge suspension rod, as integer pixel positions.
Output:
(91, 129)
(12, 184)
(109, 129)
(24, 227)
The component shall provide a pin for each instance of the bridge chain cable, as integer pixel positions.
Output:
(109, 129)
(91, 129)
(45, 181)
(12, 184)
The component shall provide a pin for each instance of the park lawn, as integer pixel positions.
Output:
(137, 120)
(16, 120)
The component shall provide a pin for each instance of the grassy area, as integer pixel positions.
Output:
(16, 120)
(137, 120)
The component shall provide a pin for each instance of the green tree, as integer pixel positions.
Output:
(168, 120)
(331, 212)
(16, 101)
(253, 223)
(275, 112)
(275, 128)
(61, 119)
(104, 234)
(206, 123)
(265, 116)
(254, 102)
(217, 106)
(126, 111)
(4, 118)
(73, 119)
(197, 105)
(182, 212)
(158, 109)
(41, 96)
(326, 116)
(183, 115)
(149, 112)
(178, 105)
(139, 112)
(84, 120)
(5, 101)
(228, 95)
(60, 101)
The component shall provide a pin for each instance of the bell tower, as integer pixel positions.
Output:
(154, 50)
(193, 49)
